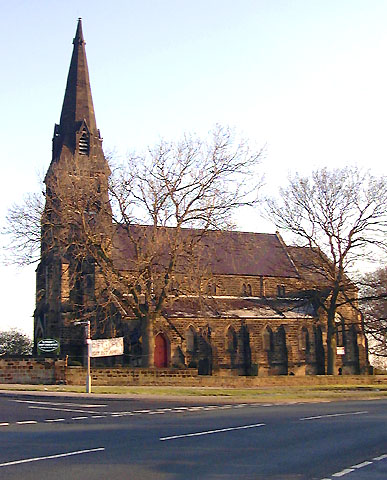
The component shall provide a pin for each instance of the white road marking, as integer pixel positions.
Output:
(357, 466)
(48, 457)
(209, 432)
(51, 420)
(26, 422)
(361, 465)
(343, 472)
(61, 409)
(333, 415)
(86, 405)
(41, 406)
(381, 457)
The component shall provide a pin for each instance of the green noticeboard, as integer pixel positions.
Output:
(48, 345)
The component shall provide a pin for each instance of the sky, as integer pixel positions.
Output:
(305, 78)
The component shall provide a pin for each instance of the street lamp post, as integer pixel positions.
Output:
(88, 341)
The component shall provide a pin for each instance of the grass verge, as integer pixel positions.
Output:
(262, 394)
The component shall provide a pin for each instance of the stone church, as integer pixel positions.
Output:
(254, 317)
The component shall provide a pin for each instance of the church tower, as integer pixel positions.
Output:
(76, 222)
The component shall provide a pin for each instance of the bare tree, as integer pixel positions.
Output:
(22, 230)
(341, 216)
(166, 203)
(373, 303)
(145, 244)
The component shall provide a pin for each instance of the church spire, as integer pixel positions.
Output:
(78, 103)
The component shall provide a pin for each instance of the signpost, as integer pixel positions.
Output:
(105, 347)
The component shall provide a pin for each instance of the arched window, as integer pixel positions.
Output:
(249, 290)
(191, 339)
(84, 144)
(304, 340)
(340, 328)
(211, 288)
(280, 290)
(268, 340)
(231, 340)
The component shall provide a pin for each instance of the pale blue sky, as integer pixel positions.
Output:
(306, 77)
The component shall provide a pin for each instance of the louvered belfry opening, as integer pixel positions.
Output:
(84, 144)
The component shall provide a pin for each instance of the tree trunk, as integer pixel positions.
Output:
(148, 341)
(331, 345)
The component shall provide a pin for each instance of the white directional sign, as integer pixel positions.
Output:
(107, 347)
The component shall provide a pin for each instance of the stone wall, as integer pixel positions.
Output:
(132, 376)
(189, 378)
(32, 371)
(50, 371)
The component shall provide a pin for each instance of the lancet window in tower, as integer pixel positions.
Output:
(84, 144)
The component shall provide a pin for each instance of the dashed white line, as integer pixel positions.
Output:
(356, 467)
(52, 420)
(343, 472)
(4, 424)
(381, 457)
(26, 422)
(361, 465)
(48, 457)
(78, 418)
(209, 432)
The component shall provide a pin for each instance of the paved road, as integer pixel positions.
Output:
(99, 438)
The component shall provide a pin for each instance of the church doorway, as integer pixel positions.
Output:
(161, 351)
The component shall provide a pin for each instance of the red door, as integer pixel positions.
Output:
(161, 353)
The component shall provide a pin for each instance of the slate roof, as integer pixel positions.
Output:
(223, 252)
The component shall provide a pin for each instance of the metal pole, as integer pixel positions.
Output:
(88, 346)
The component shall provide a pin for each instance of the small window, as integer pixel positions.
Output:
(84, 144)
(280, 290)
(211, 289)
(246, 290)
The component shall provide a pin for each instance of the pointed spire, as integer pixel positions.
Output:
(78, 103)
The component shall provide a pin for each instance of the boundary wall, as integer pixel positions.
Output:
(54, 371)
(32, 371)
